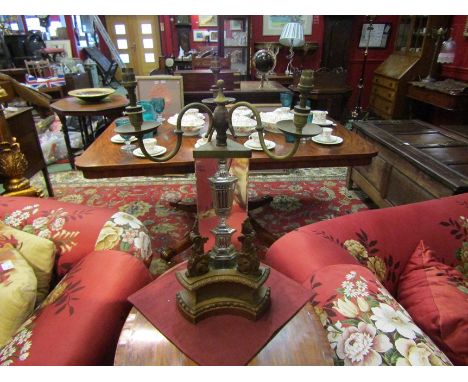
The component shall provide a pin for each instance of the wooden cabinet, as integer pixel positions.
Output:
(234, 40)
(416, 161)
(414, 49)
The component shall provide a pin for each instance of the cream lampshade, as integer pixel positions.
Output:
(292, 36)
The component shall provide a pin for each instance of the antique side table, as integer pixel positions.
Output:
(111, 108)
(301, 341)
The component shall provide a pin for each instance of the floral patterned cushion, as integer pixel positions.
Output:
(436, 295)
(365, 324)
(80, 321)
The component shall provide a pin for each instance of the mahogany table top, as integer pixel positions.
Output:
(302, 341)
(106, 159)
(75, 107)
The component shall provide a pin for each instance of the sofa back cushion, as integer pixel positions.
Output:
(18, 286)
(436, 295)
(37, 251)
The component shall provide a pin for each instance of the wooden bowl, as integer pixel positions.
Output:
(91, 94)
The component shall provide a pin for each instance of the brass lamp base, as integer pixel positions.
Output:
(223, 291)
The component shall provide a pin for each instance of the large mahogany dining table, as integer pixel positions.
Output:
(104, 159)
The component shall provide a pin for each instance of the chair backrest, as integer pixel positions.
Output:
(78, 81)
(39, 68)
(105, 66)
(171, 88)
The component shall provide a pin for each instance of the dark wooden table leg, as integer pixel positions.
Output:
(50, 190)
(71, 157)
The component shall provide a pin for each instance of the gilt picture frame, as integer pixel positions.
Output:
(207, 21)
(171, 88)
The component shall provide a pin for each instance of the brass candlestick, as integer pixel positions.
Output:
(224, 279)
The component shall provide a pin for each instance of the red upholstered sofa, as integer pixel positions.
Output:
(102, 258)
(364, 267)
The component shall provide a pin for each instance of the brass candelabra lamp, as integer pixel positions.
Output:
(224, 279)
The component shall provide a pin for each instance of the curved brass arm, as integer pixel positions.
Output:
(178, 131)
(260, 130)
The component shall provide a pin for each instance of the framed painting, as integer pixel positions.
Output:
(208, 21)
(273, 25)
(198, 35)
(171, 88)
(378, 37)
(213, 36)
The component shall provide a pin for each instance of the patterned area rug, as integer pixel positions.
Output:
(300, 197)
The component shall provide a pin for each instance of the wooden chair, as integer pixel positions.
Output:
(39, 68)
(77, 81)
(106, 67)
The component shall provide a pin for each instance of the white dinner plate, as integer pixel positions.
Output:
(337, 140)
(327, 123)
(269, 144)
(159, 150)
(117, 138)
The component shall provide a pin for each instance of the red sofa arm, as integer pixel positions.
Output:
(382, 240)
(80, 321)
(75, 229)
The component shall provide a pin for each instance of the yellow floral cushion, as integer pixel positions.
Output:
(37, 251)
(18, 287)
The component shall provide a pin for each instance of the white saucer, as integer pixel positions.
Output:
(117, 138)
(327, 123)
(192, 133)
(337, 140)
(159, 150)
(269, 144)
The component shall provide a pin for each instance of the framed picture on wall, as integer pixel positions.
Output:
(378, 37)
(235, 25)
(273, 25)
(213, 36)
(198, 35)
(208, 21)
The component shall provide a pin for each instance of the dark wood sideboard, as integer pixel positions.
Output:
(417, 161)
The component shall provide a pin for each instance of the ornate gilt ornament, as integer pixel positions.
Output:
(13, 165)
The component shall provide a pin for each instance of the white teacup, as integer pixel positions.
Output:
(319, 116)
(255, 139)
(191, 111)
(150, 144)
(326, 135)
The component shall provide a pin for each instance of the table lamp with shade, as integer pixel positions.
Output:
(292, 36)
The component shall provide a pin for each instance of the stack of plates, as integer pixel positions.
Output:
(335, 140)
